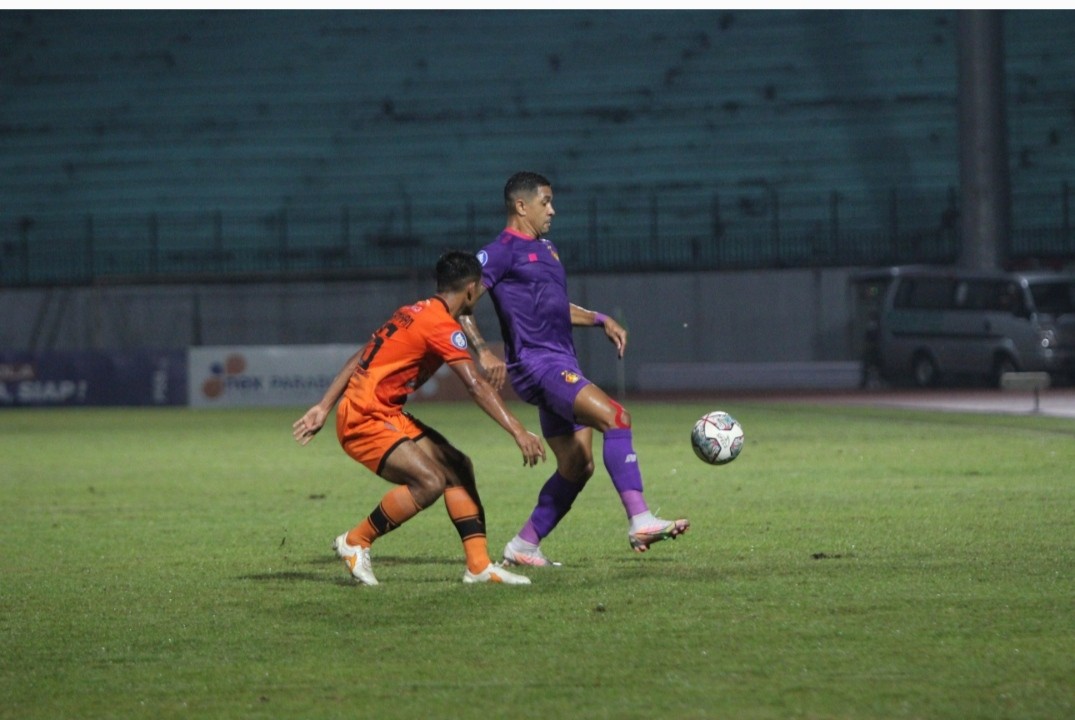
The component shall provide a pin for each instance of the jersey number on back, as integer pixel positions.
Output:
(375, 343)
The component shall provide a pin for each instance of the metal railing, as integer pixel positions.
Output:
(749, 226)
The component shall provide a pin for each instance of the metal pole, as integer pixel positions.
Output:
(894, 222)
(281, 228)
(24, 247)
(621, 370)
(654, 229)
(1065, 194)
(218, 232)
(154, 244)
(775, 209)
(834, 225)
(472, 223)
(716, 240)
(345, 227)
(592, 233)
(985, 219)
(89, 247)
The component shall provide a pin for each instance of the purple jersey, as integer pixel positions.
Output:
(528, 286)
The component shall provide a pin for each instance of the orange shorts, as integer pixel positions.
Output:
(370, 439)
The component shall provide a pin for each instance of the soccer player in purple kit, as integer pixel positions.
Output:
(528, 287)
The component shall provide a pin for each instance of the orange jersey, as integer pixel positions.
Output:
(402, 355)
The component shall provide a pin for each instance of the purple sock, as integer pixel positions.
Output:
(554, 501)
(622, 465)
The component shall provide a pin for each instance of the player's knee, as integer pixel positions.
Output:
(578, 471)
(586, 473)
(621, 419)
(461, 469)
(428, 487)
(466, 469)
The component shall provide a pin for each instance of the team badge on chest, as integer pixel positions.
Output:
(551, 249)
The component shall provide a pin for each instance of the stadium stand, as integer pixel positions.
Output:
(147, 144)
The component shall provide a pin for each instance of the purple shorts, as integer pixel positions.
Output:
(553, 388)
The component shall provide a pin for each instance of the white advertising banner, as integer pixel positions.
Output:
(269, 375)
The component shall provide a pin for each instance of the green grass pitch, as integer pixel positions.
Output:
(852, 563)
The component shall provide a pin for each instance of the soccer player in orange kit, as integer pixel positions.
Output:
(375, 430)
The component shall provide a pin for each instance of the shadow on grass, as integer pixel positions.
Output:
(294, 576)
(391, 560)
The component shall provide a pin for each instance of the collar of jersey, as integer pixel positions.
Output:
(519, 235)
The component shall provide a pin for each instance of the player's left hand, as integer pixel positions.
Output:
(532, 447)
(616, 334)
(494, 368)
(304, 429)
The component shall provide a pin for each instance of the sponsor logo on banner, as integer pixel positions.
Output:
(269, 375)
(221, 373)
(285, 376)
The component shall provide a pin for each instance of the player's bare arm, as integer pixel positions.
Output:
(488, 400)
(491, 366)
(304, 429)
(615, 332)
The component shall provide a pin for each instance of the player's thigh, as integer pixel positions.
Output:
(408, 465)
(574, 454)
(387, 446)
(459, 469)
(593, 407)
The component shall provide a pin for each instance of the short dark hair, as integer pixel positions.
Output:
(523, 183)
(455, 269)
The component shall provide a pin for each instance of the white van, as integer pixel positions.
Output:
(935, 323)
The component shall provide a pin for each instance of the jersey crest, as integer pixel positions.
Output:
(552, 250)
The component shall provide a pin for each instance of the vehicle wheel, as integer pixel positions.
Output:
(924, 370)
(1002, 364)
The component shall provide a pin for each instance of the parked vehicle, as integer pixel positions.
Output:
(931, 323)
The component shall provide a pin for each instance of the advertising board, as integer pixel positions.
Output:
(262, 375)
(93, 378)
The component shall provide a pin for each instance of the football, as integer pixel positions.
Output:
(717, 438)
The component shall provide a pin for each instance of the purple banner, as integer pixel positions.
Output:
(93, 378)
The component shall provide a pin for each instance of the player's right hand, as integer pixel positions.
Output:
(532, 448)
(617, 335)
(304, 429)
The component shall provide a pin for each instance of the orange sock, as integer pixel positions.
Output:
(396, 507)
(469, 520)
